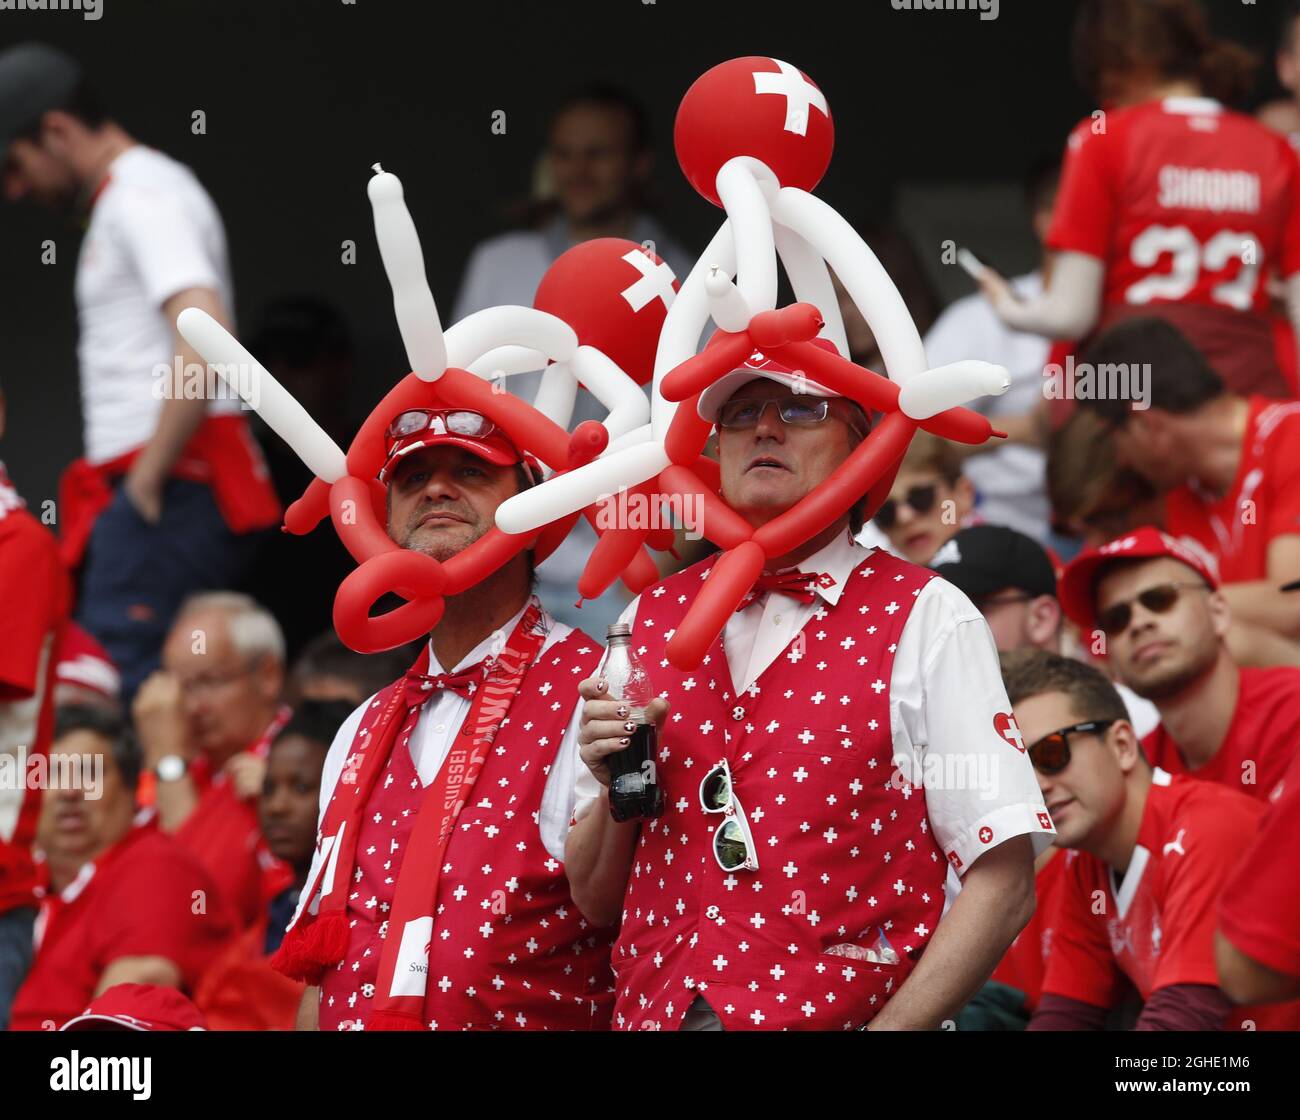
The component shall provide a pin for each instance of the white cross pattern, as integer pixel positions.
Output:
(655, 281)
(799, 94)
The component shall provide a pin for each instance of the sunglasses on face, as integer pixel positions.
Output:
(733, 844)
(1051, 754)
(919, 499)
(800, 409)
(1160, 599)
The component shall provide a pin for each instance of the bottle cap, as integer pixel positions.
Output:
(619, 630)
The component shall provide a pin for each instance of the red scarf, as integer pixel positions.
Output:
(311, 945)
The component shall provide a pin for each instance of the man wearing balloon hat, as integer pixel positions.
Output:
(475, 727)
(844, 744)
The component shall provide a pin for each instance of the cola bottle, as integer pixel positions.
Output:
(634, 789)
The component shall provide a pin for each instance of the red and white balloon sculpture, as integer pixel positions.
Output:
(597, 319)
(754, 136)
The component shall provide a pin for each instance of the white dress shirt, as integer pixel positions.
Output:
(945, 690)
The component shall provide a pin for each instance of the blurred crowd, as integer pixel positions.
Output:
(1133, 552)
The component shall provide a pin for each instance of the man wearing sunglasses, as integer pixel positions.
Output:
(406, 921)
(1152, 604)
(1150, 854)
(798, 871)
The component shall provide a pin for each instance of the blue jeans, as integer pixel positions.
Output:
(15, 955)
(136, 574)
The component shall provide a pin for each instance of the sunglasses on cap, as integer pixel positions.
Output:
(733, 843)
(920, 499)
(1160, 599)
(441, 421)
(1051, 754)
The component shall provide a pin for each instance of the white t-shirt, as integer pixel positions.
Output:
(945, 690)
(154, 231)
(1010, 477)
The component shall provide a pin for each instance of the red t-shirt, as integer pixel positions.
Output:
(1023, 965)
(1263, 502)
(136, 900)
(34, 603)
(1260, 911)
(1261, 741)
(1185, 202)
(1156, 926)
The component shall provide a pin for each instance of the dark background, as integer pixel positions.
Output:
(302, 96)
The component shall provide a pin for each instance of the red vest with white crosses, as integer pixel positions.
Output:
(845, 850)
(509, 948)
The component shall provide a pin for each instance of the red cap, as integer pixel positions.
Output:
(759, 364)
(1076, 582)
(82, 661)
(138, 1007)
(495, 447)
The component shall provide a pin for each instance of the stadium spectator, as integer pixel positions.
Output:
(123, 903)
(1164, 620)
(1258, 944)
(34, 603)
(1148, 854)
(1227, 465)
(1009, 477)
(205, 721)
(326, 669)
(930, 500)
(1283, 115)
(241, 991)
(1170, 204)
(171, 491)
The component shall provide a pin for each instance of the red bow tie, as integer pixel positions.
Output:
(798, 585)
(419, 687)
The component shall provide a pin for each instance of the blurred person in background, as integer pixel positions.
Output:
(171, 490)
(326, 669)
(34, 603)
(123, 903)
(1283, 115)
(1170, 204)
(205, 721)
(1228, 466)
(1147, 856)
(1164, 620)
(1008, 475)
(241, 991)
(930, 500)
(596, 168)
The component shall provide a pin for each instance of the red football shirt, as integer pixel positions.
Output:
(1023, 965)
(1262, 504)
(34, 602)
(1261, 741)
(1260, 911)
(135, 900)
(1156, 925)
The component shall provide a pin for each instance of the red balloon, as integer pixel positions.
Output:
(587, 440)
(697, 373)
(641, 573)
(687, 432)
(615, 303)
(729, 579)
(758, 107)
(310, 509)
(870, 390)
(369, 447)
(362, 534)
(960, 425)
(799, 322)
(483, 557)
(414, 576)
(714, 518)
(828, 501)
(614, 551)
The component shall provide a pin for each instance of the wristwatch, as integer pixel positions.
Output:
(170, 768)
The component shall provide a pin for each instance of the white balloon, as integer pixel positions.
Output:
(727, 305)
(812, 284)
(503, 361)
(246, 375)
(934, 390)
(628, 406)
(399, 246)
(751, 222)
(510, 324)
(557, 393)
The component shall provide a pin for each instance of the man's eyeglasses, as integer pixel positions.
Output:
(803, 410)
(1160, 599)
(920, 499)
(441, 421)
(733, 843)
(1051, 754)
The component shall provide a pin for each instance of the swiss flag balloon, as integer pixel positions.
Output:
(755, 106)
(615, 294)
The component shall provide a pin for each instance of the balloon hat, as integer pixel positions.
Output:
(754, 136)
(600, 304)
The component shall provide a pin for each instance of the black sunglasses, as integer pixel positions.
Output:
(920, 499)
(1051, 754)
(1160, 599)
